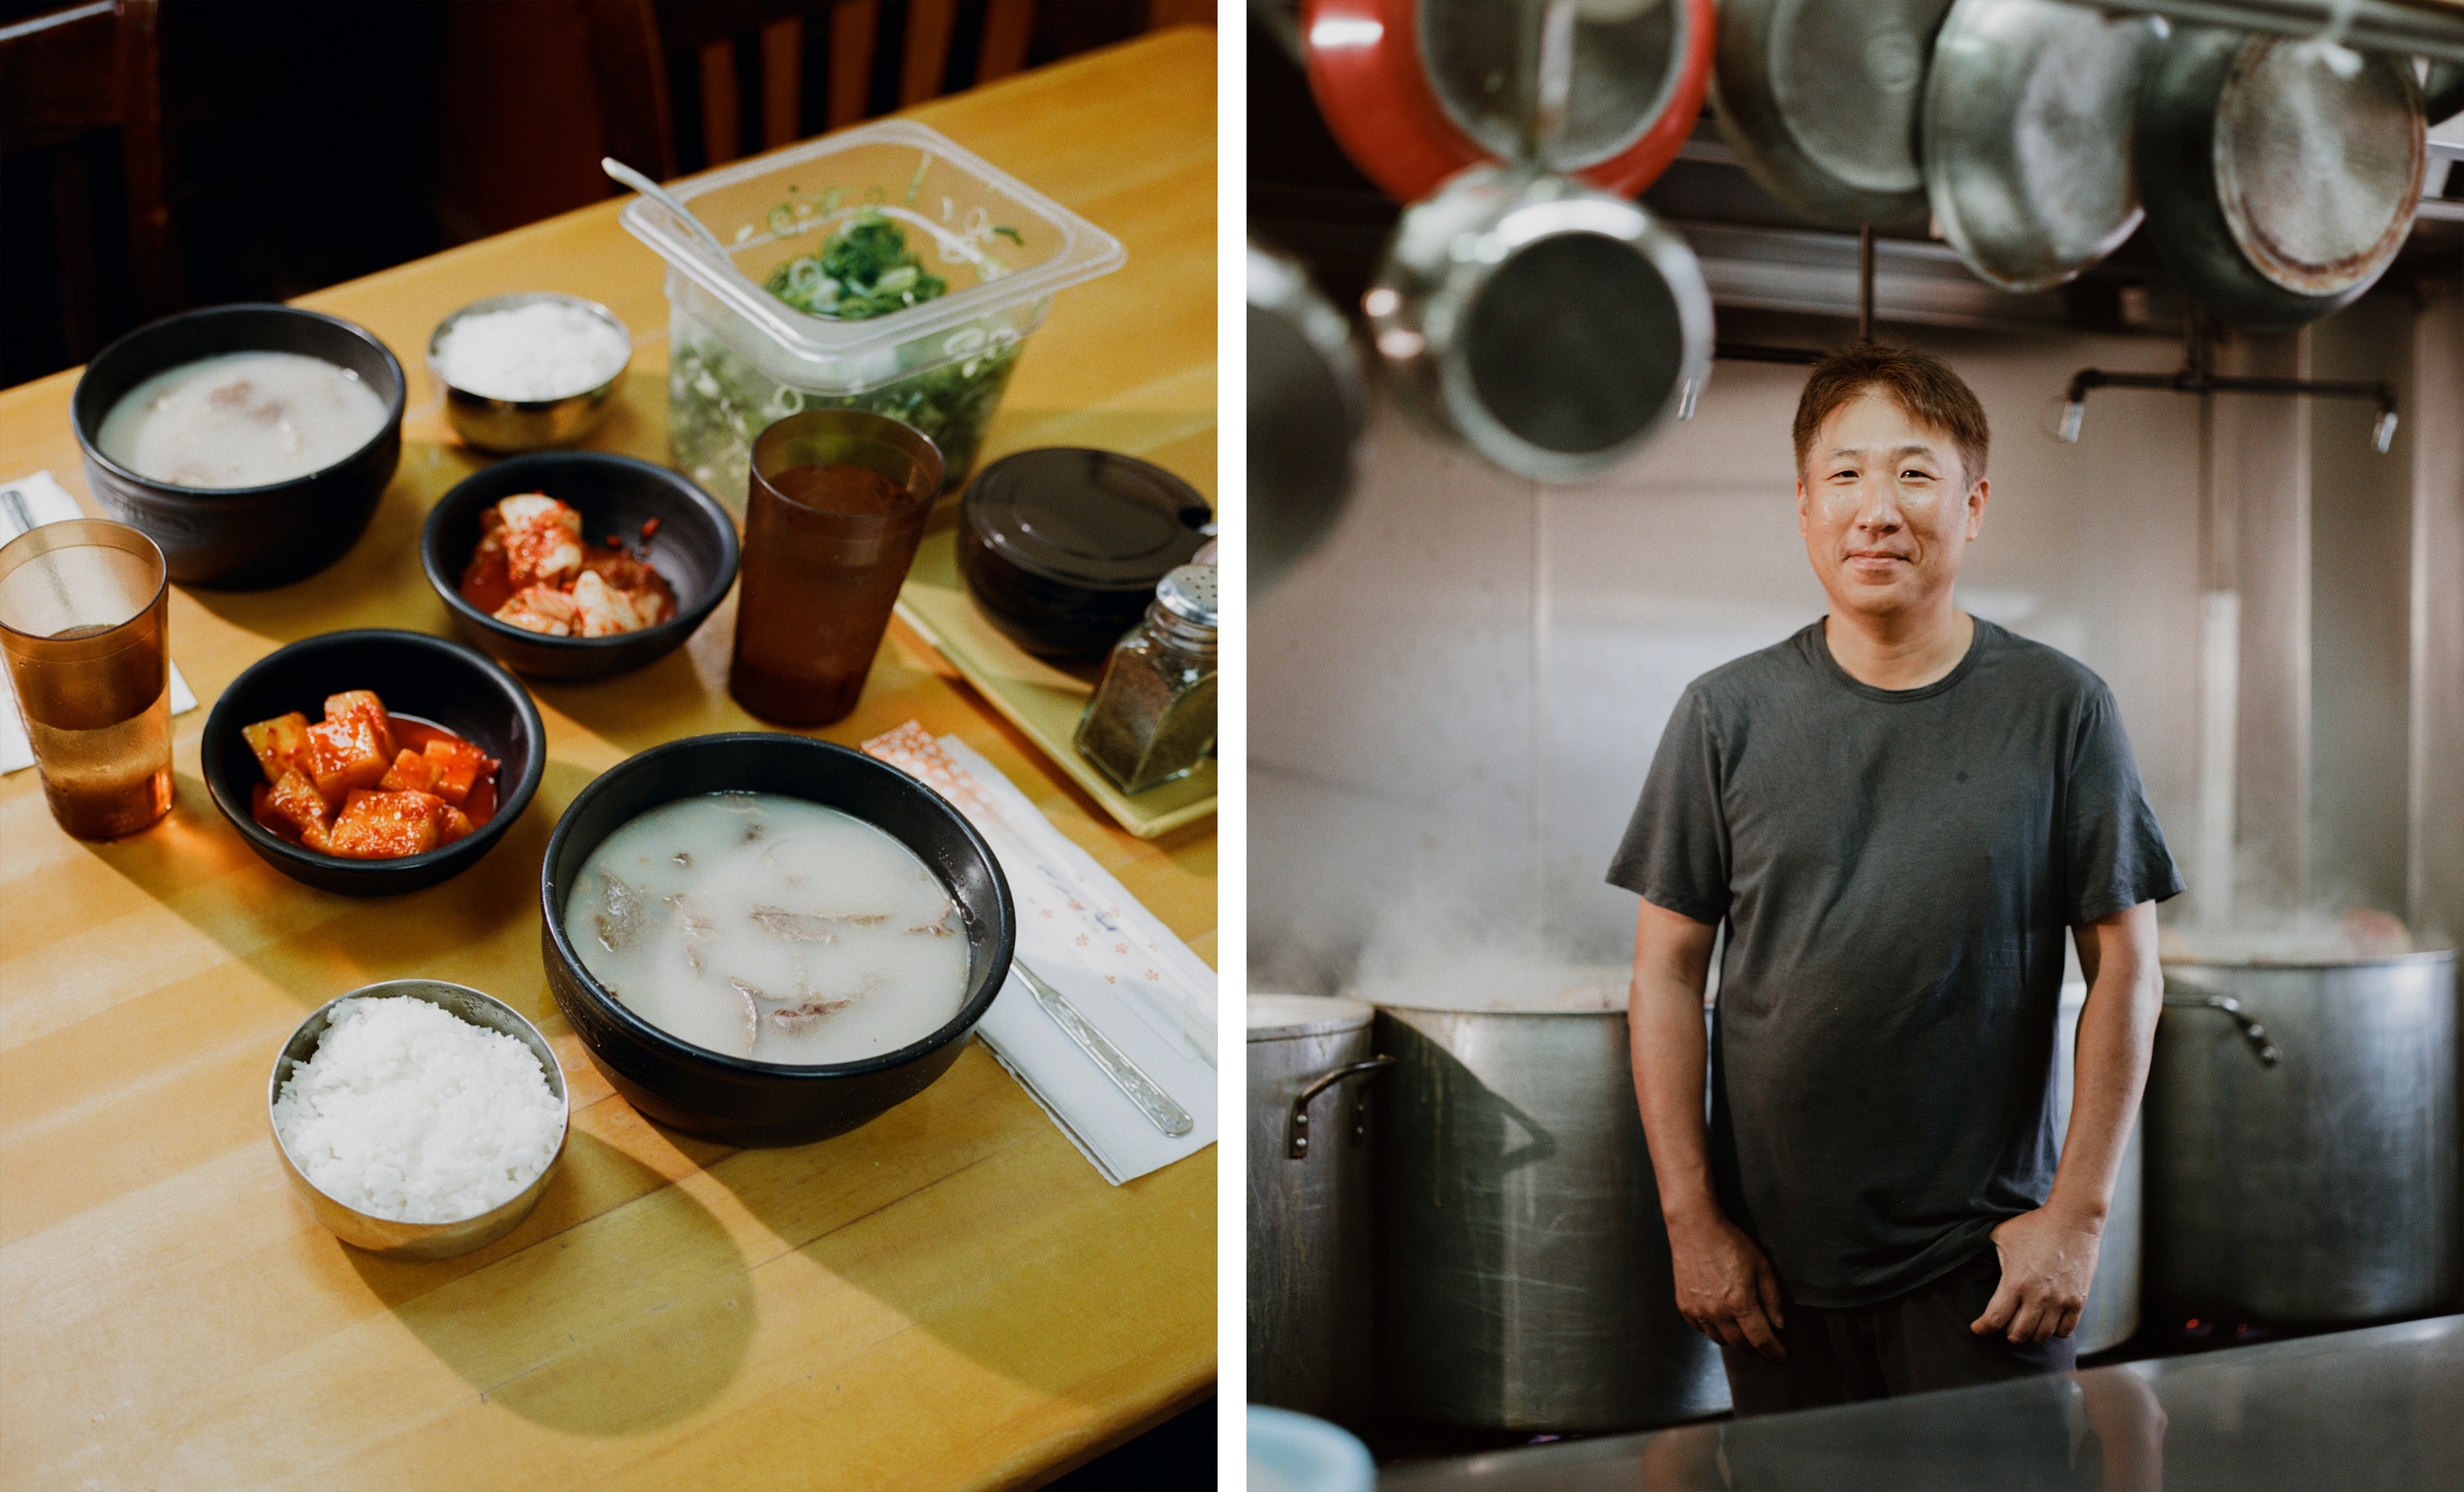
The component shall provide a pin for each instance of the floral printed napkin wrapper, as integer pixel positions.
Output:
(1121, 968)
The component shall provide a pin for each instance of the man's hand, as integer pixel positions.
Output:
(1725, 1288)
(2047, 1262)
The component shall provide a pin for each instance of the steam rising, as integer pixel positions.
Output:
(2312, 935)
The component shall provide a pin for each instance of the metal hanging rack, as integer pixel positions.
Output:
(2433, 30)
(1757, 352)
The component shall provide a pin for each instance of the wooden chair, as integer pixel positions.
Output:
(71, 74)
(631, 40)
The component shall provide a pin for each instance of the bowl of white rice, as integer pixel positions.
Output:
(418, 1119)
(529, 371)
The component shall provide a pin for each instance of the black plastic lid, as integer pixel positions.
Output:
(1092, 519)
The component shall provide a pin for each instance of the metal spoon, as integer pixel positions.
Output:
(625, 175)
(1142, 1091)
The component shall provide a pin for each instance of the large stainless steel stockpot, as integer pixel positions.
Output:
(1309, 1065)
(2112, 1312)
(1523, 1278)
(2301, 1141)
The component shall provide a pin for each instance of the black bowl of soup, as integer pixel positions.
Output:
(742, 1095)
(433, 691)
(250, 441)
(687, 560)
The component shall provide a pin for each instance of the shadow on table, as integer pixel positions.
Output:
(366, 588)
(962, 1216)
(661, 701)
(196, 866)
(655, 1314)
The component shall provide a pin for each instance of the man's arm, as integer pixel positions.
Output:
(1724, 1287)
(2049, 1255)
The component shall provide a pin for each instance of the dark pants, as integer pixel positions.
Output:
(1908, 1344)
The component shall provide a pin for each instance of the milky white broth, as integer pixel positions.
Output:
(244, 418)
(771, 928)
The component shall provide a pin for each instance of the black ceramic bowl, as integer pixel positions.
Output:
(735, 1100)
(428, 678)
(694, 549)
(243, 537)
(1062, 547)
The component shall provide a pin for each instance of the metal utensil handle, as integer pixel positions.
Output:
(2269, 1054)
(1142, 1091)
(1550, 38)
(1296, 1134)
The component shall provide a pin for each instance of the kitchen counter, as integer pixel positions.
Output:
(2378, 1408)
(947, 1297)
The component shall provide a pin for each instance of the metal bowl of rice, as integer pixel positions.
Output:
(414, 1137)
(529, 371)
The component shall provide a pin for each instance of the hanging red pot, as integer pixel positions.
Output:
(1416, 90)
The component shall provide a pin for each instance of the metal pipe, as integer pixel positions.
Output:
(1865, 283)
(2195, 378)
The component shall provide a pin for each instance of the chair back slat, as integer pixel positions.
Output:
(73, 73)
(910, 43)
(853, 24)
(783, 81)
(927, 55)
(719, 103)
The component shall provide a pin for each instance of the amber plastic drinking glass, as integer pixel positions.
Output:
(835, 508)
(84, 612)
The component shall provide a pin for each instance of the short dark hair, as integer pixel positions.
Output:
(1919, 382)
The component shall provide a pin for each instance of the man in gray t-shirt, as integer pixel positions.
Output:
(1898, 814)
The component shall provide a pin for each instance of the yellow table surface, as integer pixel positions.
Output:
(948, 1297)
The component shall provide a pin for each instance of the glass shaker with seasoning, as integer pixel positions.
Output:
(1153, 716)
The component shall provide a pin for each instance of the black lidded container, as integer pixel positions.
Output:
(736, 1100)
(1061, 546)
(243, 537)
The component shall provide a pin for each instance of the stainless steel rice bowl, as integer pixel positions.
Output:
(388, 1237)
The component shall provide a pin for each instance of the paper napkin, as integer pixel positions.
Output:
(1084, 934)
(27, 503)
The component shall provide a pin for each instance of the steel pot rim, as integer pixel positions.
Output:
(2374, 961)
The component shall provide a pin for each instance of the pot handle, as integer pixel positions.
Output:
(2269, 1054)
(1297, 1131)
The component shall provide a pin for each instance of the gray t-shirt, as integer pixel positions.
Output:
(1898, 869)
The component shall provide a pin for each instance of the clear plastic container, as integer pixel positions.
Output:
(739, 358)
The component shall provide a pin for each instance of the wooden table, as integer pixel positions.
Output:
(948, 1297)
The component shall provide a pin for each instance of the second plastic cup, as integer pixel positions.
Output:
(835, 507)
(84, 620)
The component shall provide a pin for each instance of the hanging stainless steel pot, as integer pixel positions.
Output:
(1820, 100)
(1523, 1279)
(1550, 326)
(1308, 1283)
(2301, 1141)
(2280, 176)
(1307, 403)
(2028, 117)
(2112, 1312)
